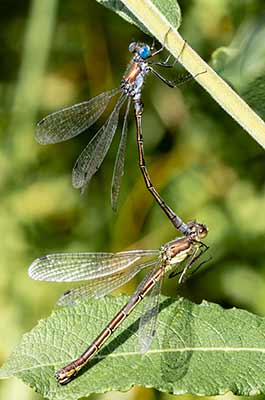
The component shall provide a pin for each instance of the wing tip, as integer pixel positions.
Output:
(78, 181)
(64, 299)
(41, 122)
(39, 135)
(44, 137)
(34, 266)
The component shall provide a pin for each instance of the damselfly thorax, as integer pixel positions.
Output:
(133, 79)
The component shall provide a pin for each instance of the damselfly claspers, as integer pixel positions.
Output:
(71, 121)
(107, 271)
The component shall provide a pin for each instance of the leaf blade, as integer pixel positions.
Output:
(199, 349)
(169, 9)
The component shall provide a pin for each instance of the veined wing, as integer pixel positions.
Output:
(71, 121)
(147, 325)
(119, 162)
(93, 155)
(101, 286)
(70, 267)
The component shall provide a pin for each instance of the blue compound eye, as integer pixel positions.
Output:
(144, 51)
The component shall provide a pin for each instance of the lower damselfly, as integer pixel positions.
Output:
(108, 271)
(71, 121)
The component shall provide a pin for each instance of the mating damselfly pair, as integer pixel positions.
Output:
(71, 121)
(108, 271)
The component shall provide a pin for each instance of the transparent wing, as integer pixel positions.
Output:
(147, 325)
(138, 291)
(69, 122)
(93, 155)
(102, 286)
(119, 162)
(70, 267)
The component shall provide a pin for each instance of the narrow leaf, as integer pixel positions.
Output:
(169, 8)
(200, 349)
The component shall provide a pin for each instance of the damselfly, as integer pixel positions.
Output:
(71, 121)
(107, 271)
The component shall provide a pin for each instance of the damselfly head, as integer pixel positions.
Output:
(142, 49)
(198, 230)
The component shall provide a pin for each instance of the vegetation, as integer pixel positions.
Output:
(205, 165)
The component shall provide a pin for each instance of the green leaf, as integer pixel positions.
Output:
(254, 94)
(242, 64)
(169, 9)
(201, 349)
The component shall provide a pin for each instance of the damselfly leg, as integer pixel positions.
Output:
(198, 252)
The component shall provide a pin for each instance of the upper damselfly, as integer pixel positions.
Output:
(108, 271)
(71, 121)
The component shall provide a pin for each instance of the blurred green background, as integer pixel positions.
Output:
(55, 53)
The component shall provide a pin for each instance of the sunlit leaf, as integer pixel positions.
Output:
(254, 94)
(201, 349)
(169, 9)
